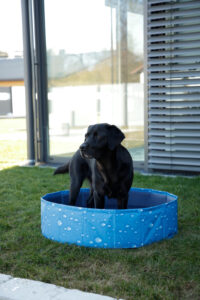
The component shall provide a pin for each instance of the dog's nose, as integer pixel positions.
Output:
(83, 147)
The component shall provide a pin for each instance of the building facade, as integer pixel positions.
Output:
(12, 93)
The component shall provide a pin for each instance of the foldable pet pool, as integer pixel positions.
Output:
(151, 216)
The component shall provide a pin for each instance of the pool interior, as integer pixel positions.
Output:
(138, 198)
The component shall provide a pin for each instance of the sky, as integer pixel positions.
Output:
(77, 26)
(81, 26)
(10, 26)
(84, 26)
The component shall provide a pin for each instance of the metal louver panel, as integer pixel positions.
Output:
(173, 85)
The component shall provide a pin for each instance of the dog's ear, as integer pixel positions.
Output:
(115, 137)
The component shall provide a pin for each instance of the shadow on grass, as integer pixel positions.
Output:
(165, 270)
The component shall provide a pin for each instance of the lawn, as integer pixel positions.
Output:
(13, 145)
(166, 270)
(12, 125)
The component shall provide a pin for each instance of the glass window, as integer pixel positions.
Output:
(95, 71)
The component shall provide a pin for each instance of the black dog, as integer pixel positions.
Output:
(105, 163)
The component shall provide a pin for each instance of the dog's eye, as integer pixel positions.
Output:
(95, 134)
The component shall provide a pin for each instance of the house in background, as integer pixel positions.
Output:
(159, 113)
(12, 92)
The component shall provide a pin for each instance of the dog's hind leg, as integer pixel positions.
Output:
(74, 189)
(90, 201)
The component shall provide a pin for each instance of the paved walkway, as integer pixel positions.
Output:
(24, 289)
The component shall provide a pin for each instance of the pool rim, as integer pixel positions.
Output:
(115, 210)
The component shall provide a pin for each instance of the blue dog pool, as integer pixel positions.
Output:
(151, 216)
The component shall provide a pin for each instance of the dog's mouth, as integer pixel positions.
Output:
(85, 155)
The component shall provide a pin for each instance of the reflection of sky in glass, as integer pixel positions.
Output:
(77, 26)
(84, 26)
(86, 30)
(135, 33)
(11, 26)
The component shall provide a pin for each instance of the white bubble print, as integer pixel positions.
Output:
(98, 240)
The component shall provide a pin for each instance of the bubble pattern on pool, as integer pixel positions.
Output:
(151, 216)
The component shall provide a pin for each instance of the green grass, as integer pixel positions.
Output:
(12, 153)
(12, 125)
(13, 148)
(13, 144)
(166, 270)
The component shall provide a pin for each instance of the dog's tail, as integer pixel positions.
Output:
(62, 170)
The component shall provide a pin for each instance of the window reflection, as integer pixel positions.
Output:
(95, 71)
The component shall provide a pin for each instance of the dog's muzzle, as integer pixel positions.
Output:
(84, 151)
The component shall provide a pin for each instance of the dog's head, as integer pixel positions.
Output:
(100, 138)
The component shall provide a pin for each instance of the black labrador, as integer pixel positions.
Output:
(105, 163)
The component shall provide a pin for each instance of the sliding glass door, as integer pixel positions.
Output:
(95, 71)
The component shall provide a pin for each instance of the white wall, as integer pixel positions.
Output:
(18, 101)
(78, 105)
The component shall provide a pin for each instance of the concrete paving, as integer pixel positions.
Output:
(24, 289)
